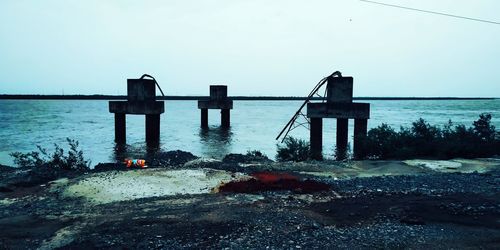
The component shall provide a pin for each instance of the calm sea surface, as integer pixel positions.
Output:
(254, 125)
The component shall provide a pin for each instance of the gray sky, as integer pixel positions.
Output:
(257, 47)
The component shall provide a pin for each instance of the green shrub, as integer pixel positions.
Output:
(428, 141)
(256, 153)
(380, 141)
(345, 156)
(293, 150)
(74, 160)
(483, 128)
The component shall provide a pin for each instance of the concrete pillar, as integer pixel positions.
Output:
(342, 127)
(316, 138)
(204, 118)
(152, 128)
(120, 128)
(360, 130)
(225, 118)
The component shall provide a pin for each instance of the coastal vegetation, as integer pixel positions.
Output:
(293, 149)
(423, 140)
(73, 160)
(420, 140)
(256, 153)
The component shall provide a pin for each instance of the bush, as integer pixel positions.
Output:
(256, 153)
(57, 160)
(425, 140)
(483, 128)
(293, 150)
(380, 141)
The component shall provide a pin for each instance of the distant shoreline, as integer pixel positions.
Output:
(239, 98)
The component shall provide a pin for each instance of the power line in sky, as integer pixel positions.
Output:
(432, 12)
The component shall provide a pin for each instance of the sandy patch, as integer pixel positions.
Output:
(436, 165)
(7, 201)
(478, 165)
(128, 185)
(457, 165)
(368, 169)
(197, 162)
(372, 168)
(62, 237)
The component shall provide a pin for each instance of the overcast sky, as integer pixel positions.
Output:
(256, 47)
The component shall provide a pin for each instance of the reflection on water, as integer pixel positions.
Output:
(136, 151)
(215, 141)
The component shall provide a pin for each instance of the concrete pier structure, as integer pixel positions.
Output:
(218, 100)
(141, 100)
(338, 105)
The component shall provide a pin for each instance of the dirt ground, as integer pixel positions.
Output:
(421, 205)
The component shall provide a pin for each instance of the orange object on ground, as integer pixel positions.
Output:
(135, 163)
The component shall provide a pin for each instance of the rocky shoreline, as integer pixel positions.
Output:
(182, 204)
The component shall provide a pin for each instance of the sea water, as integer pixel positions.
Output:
(24, 124)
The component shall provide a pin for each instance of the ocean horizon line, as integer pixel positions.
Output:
(240, 98)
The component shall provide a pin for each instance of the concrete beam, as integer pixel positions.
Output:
(138, 108)
(339, 110)
(215, 104)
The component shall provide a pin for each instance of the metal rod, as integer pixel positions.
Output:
(308, 99)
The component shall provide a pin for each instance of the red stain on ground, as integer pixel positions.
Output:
(267, 177)
(269, 181)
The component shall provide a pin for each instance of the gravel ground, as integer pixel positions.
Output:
(430, 210)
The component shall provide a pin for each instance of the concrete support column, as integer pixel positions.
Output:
(225, 118)
(360, 130)
(152, 128)
(120, 128)
(316, 138)
(342, 127)
(204, 118)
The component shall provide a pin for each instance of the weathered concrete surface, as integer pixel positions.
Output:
(141, 90)
(339, 110)
(217, 100)
(339, 89)
(138, 108)
(141, 100)
(218, 92)
(339, 105)
(215, 104)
